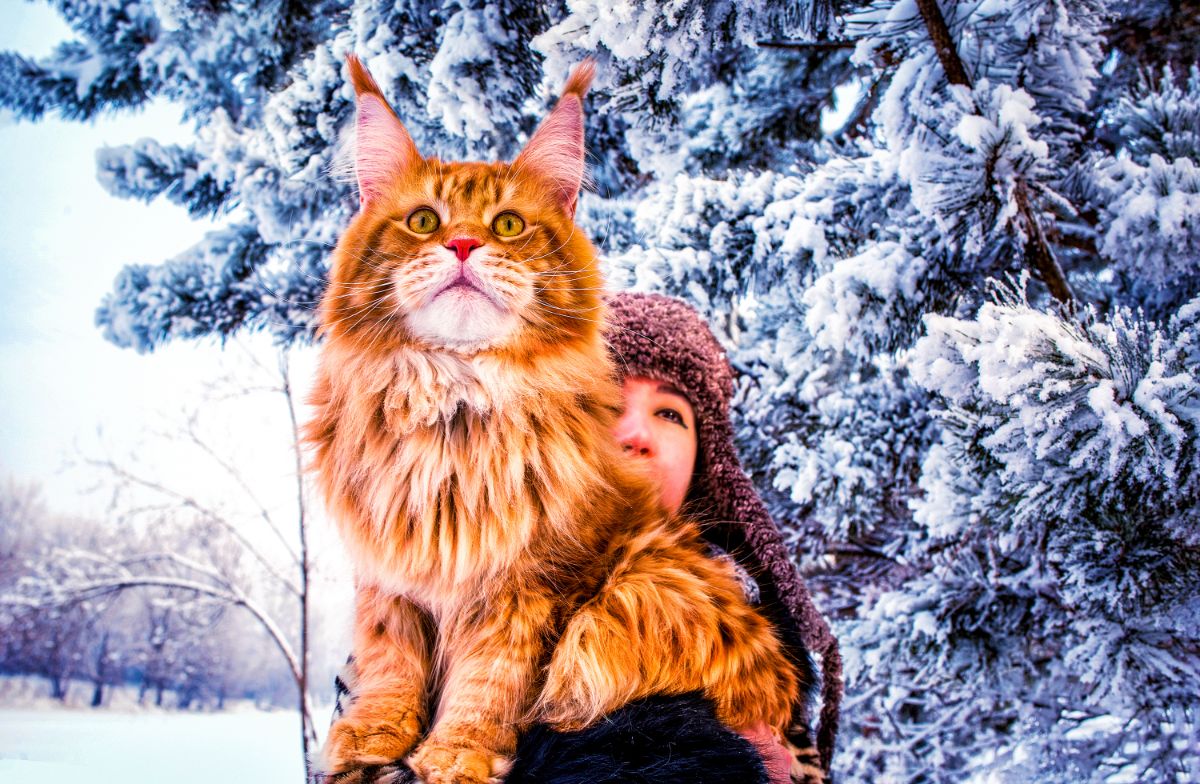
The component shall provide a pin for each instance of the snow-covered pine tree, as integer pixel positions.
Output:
(1011, 598)
(993, 487)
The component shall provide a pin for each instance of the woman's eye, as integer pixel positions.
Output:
(671, 415)
(423, 221)
(508, 224)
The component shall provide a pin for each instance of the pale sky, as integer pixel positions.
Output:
(63, 240)
(67, 392)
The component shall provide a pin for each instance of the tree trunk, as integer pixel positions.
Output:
(308, 735)
(1040, 255)
(98, 670)
(943, 44)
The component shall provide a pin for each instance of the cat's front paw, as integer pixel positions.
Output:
(441, 763)
(805, 765)
(396, 773)
(355, 742)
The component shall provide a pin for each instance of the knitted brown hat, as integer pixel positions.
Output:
(665, 339)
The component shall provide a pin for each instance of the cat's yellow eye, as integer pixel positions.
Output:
(423, 221)
(508, 224)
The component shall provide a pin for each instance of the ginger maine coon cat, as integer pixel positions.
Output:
(511, 565)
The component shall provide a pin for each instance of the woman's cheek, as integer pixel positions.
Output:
(676, 463)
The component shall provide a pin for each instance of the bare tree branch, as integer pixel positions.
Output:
(71, 592)
(818, 46)
(206, 513)
(857, 122)
(1039, 253)
(943, 44)
(186, 563)
(238, 477)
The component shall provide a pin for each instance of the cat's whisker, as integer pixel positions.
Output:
(366, 285)
(351, 311)
(639, 334)
(349, 301)
(302, 304)
(398, 256)
(309, 241)
(558, 272)
(339, 321)
(561, 245)
(574, 315)
(381, 328)
(543, 289)
(361, 285)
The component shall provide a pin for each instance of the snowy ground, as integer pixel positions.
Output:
(111, 746)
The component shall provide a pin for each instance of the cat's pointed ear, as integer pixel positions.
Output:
(555, 152)
(382, 147)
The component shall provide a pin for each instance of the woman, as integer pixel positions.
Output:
(678, 384)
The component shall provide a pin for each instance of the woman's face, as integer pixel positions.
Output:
(659, 425)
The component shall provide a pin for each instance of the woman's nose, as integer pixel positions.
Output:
(633, 434)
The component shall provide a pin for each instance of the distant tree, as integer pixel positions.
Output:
(52, 642)
(192, 559)
(22, 513)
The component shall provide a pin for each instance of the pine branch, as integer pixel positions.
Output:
(859, 121)
(819, 46)
(1038, 252)
(939, 33)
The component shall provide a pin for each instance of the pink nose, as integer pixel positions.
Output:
(462, 246)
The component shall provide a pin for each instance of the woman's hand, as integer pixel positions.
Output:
(776, 758)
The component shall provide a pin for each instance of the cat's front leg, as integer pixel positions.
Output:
(668, 619)
(492, 651)
(392, 644)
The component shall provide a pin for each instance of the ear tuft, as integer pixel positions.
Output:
(361, 78)
(555, 152)
(580, 79)
(383, 148)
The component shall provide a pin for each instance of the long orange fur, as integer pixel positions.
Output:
(512, 566)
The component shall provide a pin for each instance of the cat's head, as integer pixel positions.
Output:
(467, 257)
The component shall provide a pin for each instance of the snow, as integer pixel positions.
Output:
(835, 301)
(845, 98)
(1153, 218)
(462, 104)
(86, 72)
(66, 746)
(972, 129)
